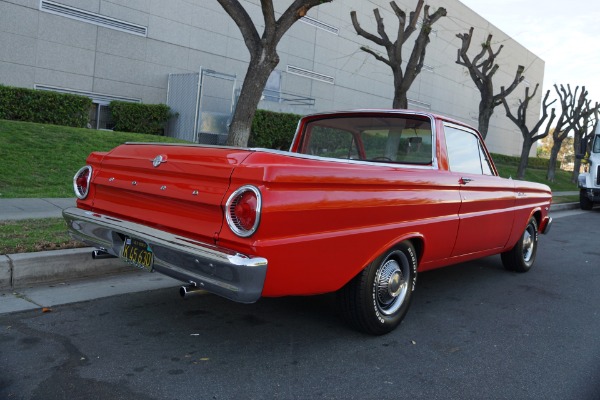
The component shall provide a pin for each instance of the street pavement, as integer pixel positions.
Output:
(474, 331)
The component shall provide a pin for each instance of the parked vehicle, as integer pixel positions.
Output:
(363, 202)
(589, 181)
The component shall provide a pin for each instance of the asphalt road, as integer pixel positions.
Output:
(475, 331)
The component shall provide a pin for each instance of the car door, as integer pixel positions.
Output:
(486, 212)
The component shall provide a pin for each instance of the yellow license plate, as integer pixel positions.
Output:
(138, 253)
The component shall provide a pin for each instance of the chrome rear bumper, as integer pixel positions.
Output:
(212, 268)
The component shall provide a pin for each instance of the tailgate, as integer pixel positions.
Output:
(177, 188)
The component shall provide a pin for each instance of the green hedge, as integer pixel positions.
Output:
(20, 104)
(273, 130)
(534, 162)
(141, 118)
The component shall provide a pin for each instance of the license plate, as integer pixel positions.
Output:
(138, 253)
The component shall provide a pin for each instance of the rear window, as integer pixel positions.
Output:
(395, 139)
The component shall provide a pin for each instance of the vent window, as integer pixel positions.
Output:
(92, 18)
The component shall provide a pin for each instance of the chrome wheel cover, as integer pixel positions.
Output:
(529, 239)
(391, 285)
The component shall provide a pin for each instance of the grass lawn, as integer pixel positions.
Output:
(39, 160)
(562, 181)
(35, 235)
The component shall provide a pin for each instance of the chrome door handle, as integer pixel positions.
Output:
(464, 181)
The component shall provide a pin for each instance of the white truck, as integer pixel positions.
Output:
(589, 181)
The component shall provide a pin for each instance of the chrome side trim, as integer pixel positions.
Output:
(215, 269)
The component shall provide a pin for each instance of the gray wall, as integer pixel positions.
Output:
(41, 48)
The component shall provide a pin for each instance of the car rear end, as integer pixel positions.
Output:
(162, 208)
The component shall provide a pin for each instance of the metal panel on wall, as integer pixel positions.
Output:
(183, 95)
(203, 102)
(216, 106)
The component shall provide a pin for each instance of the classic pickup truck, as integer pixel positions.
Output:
(363, 201)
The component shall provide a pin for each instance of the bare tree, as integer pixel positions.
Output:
(572, 106)
(581, 133)
(263, 57)
(402, 79)
(482, 69)
(529, 136)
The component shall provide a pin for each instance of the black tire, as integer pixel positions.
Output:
(377, 299)
(521, 257)
(584, 202)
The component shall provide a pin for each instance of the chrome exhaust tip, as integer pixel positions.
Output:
(189, 291)
(99, 255)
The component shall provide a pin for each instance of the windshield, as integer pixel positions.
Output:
(397, 139)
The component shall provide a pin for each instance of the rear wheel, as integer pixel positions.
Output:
(521, 257)
(584, 202)
(377, 299)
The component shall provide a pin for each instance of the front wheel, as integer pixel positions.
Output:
(377, 299)
(521, 257)
(584, 202)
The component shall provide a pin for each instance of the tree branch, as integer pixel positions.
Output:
(361, 32)
(376, 55)
(244, 23)
(293, 13)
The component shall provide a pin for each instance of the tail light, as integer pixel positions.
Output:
(243, 210)
(81, 182)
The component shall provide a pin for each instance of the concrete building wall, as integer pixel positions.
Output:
(42, 48)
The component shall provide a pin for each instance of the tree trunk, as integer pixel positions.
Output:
(400, 98)
(254, 84)
(552, 163)
(485, 114)
(577, 163)
(576, 169)
(525, 149)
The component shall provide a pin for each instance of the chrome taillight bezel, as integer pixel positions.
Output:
(79, 192)
(232, 220)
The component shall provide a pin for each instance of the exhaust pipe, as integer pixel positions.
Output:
(99, 255)
(189, 291)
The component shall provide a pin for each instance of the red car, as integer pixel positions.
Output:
(363, 202)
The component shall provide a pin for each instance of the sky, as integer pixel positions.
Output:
(565, 34)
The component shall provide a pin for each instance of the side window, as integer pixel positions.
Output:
(465, 153)
(596, 148)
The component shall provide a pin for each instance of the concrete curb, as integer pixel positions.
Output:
(564, 206)
(21, 270)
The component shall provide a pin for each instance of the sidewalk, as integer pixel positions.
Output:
(15, 209)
